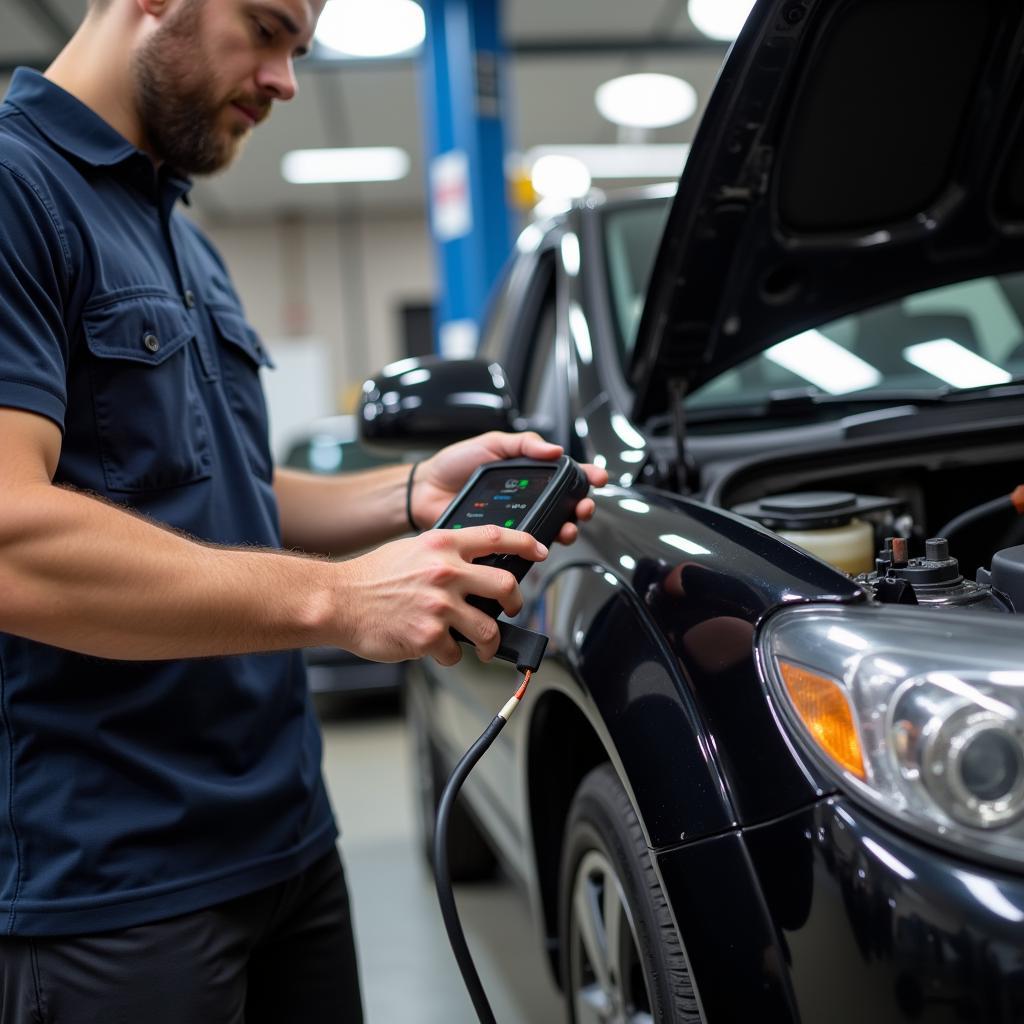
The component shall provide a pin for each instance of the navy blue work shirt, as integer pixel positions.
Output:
(134, 791)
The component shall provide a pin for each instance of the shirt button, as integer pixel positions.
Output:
(190, 300)
(152, 342)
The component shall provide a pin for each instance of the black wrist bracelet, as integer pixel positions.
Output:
(408, 499)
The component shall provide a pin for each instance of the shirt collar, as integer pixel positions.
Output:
(66, 121)
(75, 127)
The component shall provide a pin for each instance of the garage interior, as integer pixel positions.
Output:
(340, 279)
(331, 275)
(773, 765)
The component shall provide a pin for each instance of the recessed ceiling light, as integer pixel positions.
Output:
(379, 29)
(322, 166)
(719, 19)
(560, 177)
(646, 101)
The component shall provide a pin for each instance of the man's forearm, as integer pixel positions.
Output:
(337, 515)
(78, 573)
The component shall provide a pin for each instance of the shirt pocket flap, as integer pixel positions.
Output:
(234, 329)
(144, 328)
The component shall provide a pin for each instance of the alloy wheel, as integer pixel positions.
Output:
(608, 985)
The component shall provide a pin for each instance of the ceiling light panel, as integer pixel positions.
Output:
(654, 160)
(957, 366)
(824, 363)
(326, 166)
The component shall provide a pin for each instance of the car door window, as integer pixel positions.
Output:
(513, 300)
(542, 397)
(499, 315)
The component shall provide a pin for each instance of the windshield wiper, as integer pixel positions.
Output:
(801, 401)
(812, 405)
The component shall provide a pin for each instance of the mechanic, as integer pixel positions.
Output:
(167, 853)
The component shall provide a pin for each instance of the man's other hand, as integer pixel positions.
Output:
(440, 478)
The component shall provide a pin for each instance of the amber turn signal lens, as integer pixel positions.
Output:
(823, 707)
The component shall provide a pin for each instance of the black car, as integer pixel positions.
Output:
(328, 446)
(772, 768)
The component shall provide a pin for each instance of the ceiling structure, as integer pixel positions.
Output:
(556, 60)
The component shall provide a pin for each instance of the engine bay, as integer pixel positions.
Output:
(936, 520)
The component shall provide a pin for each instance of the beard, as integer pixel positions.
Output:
(177, 100)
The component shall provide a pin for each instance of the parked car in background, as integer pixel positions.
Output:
(331, 445)
(773, 765)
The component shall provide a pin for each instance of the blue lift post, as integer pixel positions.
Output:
(461, 90)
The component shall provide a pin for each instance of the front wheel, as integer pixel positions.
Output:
(622, 962)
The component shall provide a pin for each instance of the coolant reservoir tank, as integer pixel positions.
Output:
(824, 523)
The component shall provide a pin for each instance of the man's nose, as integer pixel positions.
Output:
(277, 78)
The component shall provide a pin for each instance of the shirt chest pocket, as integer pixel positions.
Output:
(151, 424)
(241, 356)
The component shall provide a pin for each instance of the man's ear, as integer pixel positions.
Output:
(154, 8)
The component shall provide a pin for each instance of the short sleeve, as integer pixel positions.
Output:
(34, 275)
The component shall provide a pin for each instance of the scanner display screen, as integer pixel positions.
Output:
(500, 496)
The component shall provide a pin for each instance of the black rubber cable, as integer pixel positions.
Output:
(442, 876)
(955, 525)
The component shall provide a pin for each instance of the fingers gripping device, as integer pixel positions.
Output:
(519, 494)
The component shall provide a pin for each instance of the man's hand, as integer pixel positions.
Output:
(400, 600)
(440, 478)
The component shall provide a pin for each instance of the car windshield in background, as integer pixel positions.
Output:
(965, 335)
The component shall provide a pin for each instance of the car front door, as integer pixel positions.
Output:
(474, 691)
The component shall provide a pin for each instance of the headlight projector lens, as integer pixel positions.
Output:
(974, 767)
(990, 766)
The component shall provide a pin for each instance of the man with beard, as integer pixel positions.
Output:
(168, 855)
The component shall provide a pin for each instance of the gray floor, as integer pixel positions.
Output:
(409, 974)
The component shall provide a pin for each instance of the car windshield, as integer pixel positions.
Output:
(964, 335)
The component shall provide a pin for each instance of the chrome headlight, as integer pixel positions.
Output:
(918, 712)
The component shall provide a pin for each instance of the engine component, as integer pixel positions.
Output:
(933, 579)
(1007, 575)
(825, 523)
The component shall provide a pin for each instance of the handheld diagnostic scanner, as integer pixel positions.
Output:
(531, 495)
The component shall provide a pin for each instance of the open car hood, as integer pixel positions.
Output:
(852, 151)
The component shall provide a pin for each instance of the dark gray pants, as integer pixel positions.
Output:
(283, 954)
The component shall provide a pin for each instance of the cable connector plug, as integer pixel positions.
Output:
(523, 647)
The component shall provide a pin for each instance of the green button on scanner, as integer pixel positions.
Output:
(524, 483)
(510, 522)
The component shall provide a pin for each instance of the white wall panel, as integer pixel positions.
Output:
(342, 281)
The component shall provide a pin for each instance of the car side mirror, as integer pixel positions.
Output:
(428, 402)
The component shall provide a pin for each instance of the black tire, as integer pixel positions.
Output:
(470, 858)
(608, 888)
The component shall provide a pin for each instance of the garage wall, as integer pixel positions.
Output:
(335, 282)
